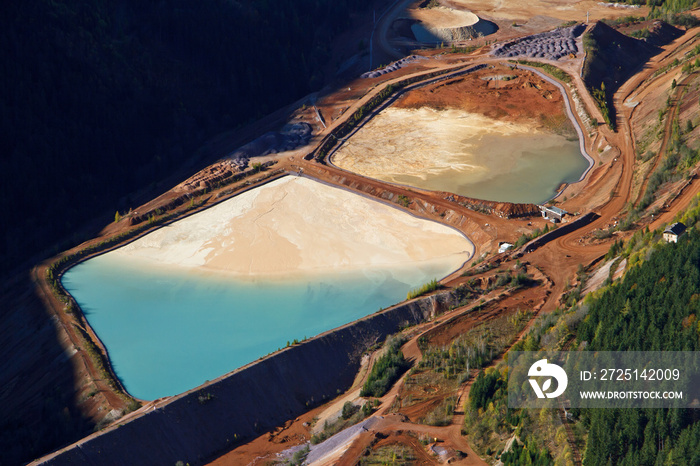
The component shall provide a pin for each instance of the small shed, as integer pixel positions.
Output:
(673, 232)
(554, 214)
(503, 247)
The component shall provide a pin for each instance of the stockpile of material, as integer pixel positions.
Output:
(551, 45)
(289, 138)
(391, 67)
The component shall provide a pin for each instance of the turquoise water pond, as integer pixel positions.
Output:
(169, 331)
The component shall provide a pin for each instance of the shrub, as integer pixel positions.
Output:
(429, 287)
(549, 69)
(522, 280)
(349, 409)
(442, 415)
(299, 457)
(386, 370)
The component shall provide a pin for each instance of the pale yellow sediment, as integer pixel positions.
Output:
(422, 142)
(442, 17)
(296, 225)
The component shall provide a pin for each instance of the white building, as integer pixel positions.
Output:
(673, 232)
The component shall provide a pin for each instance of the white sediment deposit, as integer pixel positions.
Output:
(295, 225)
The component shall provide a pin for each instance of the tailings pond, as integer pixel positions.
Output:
(207, 294)
(464, 153)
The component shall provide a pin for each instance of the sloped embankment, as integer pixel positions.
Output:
(241, 405)
(611, 58)
(436, 24)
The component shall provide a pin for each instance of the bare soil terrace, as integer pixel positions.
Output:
(499, 92)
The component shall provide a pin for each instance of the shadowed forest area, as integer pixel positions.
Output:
(101, 98)
(98, 100)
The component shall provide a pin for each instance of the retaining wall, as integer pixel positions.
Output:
(561, 231)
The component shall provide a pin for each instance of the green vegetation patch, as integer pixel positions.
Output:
(444, 368)
(390, 454)
(426, 288)
(528, 453)
(647, 310)
(670, 10)
(386, 370)
(350, 415)
(654, 308)
(678, 161)
(551, 70)
(474, 349)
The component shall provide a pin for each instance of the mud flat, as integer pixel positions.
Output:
(216, 290)
(462, 152)
(295, 225)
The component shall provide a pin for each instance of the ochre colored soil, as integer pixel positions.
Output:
(519, 96)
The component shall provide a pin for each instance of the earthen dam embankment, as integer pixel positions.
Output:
(239, 406)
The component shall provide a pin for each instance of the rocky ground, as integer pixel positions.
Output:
(551, 45)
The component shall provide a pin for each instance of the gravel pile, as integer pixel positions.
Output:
(339, 440)
(618, 5)
(328, 446)
(391, 67)
(551, 45)
(289, 138)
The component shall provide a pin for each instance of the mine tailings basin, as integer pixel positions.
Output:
(463, 153)
(497, 134)
(214, 291)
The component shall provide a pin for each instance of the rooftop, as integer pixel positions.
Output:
(677, 229)
(555, 210)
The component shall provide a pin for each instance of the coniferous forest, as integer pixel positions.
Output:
(101, 98)
(654, 308)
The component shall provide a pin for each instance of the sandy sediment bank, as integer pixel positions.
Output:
(423, 141)
(294, 226)
(461, 152)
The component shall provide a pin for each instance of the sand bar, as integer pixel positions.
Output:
(296, 225)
